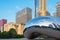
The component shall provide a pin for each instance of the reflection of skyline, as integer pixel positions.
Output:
(45, 21)
(9, 7)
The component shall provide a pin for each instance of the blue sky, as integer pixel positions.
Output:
(9, 8)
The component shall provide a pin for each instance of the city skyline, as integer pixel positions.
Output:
(9, 8)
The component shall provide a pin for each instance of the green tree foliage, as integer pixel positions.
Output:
(4, 35)
(10, 34)
(19, 36)
(0, 34)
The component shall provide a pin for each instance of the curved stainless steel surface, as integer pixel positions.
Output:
(45, 31)
(44, 21)
(47, 21)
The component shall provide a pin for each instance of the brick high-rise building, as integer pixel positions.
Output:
(24, 16)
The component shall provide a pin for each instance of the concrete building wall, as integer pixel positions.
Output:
(24, 16)
(18, 27)
(57, 14)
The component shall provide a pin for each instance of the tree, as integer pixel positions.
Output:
(0, 34)
(4, 35)
(19, 36)
(12, 33)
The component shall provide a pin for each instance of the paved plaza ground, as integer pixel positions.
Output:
(28, 39)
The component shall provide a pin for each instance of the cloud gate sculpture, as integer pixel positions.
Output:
(46, 25)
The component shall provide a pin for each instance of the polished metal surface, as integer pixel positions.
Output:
(50, 23)
(46, 31)
(44, 21)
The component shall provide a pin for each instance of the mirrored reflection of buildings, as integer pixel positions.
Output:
(57, 14)
(2, 22)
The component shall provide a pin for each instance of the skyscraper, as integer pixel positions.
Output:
(57, 14)
(24, 16)
(2, 22)
(42, 8)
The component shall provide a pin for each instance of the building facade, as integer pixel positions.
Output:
(42, 8)
(54, 14)
(57, 14)
(18, 27)
(24, 16)
(2, 22)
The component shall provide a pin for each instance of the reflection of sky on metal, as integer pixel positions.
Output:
(46, 23)
(45, 19)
